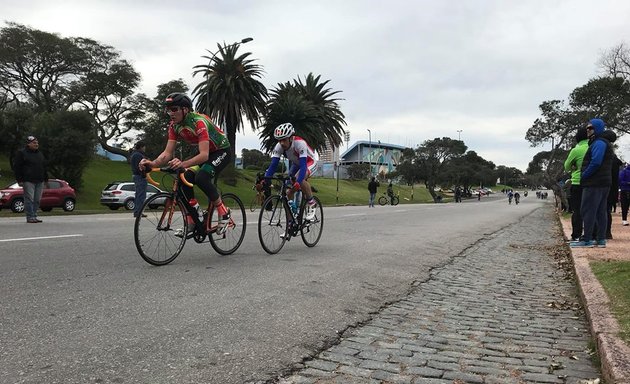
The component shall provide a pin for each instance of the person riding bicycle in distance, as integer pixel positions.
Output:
(214, 155)
(303, 161)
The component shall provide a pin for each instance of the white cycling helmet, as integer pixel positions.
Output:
(283, 131)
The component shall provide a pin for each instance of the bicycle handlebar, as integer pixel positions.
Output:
(168, 170)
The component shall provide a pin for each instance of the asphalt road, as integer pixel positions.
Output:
(79, 305)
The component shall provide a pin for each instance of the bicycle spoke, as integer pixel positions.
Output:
(229, 241)
(155, 235)
(272, 225)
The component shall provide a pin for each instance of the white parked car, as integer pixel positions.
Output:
(122, 194)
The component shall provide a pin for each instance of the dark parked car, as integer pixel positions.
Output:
(122, 194)
(57, 193)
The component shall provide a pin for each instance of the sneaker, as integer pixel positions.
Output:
(624, 223)
(180, 232)
(582, 244)
(223, 223)
(601, 244)
(310, 210)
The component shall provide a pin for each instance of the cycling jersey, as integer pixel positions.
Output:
(299, 154)
(198, 127)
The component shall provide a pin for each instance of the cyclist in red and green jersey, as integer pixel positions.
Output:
(213, 156)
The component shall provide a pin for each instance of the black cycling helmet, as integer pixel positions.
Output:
(178, 100)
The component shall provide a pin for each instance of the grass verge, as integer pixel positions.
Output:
(615, 278)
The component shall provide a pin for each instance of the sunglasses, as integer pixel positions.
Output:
(589, 127)
(172, 109)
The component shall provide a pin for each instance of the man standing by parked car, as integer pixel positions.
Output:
(29, 166)
(139, 177)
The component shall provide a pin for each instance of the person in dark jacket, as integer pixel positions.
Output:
(613, 194)
(372, 188)
(595, 180)
(139, 177)
(624, 193)
(30, 171)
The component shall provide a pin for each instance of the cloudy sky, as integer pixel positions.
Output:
(408, 70)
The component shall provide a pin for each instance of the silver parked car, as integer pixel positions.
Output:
(122, 194)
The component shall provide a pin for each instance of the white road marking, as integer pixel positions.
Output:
(40, 238)
(354, 214)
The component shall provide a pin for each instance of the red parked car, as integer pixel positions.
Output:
(57, 193)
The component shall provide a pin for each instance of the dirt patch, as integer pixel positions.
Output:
(616, 249)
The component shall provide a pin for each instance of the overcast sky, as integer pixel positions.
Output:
(408, 70)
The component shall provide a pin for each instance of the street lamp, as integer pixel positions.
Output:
(211, 59)
(370, 153)
(459, 134)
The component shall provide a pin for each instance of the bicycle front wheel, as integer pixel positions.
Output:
(395, 200)
(382, 200)
(254, 204)
(311, 230)
(273, 224)
(160, 234)
(229, 241)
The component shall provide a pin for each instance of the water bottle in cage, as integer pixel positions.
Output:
(293, 206)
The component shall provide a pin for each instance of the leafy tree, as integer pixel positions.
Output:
(231, 90)
(469, 170)
(255, 158)
(310, 107)
(432, 158)
(38, 67)
(358, 171)
(67, 140)
(57, 74)
(156, 120)
(15, 125)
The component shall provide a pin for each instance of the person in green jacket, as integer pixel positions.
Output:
(573, 164)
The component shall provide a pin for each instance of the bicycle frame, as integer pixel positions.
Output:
(179, 195)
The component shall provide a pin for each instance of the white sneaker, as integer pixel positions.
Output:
(223, 223)
(180, 232)
(310, 210)
(625, 222)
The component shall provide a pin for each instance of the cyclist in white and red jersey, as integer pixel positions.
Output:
(302, 158)
(213, 156)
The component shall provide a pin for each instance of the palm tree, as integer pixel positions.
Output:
(231, 90)
(311, 109)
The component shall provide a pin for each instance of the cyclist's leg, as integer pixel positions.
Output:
(217, 161)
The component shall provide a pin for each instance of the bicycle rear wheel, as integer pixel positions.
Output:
(382, 200)
(161, 235)
(311, 230)
(273, 224)
(228, 242)
(395, 200)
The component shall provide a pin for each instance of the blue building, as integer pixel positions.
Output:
(382, 157)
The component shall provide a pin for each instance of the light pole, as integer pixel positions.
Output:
(211, 59)
(459, 134)
(370, 153)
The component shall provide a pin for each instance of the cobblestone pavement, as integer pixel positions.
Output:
(504, 312)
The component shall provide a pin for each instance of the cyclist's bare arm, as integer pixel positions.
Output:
(162, 159)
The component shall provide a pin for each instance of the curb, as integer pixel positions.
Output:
(613, 352)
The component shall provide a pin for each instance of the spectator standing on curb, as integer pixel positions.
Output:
(30, 172)
(596, 179)
(624, 186)
(573, 164)
(372, 187)
(139, 177)
(613, 193)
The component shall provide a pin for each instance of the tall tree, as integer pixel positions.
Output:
(154, 126)
(38, 67)
(57, 74)
(67, 140)
(310, 107)
(230, 90)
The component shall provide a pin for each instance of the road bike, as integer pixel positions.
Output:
(160, 234)
(278, 223)
(384, 200)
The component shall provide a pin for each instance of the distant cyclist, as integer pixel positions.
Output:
(303, 161)
(510, 196)
(213, 156)
(517, 197)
